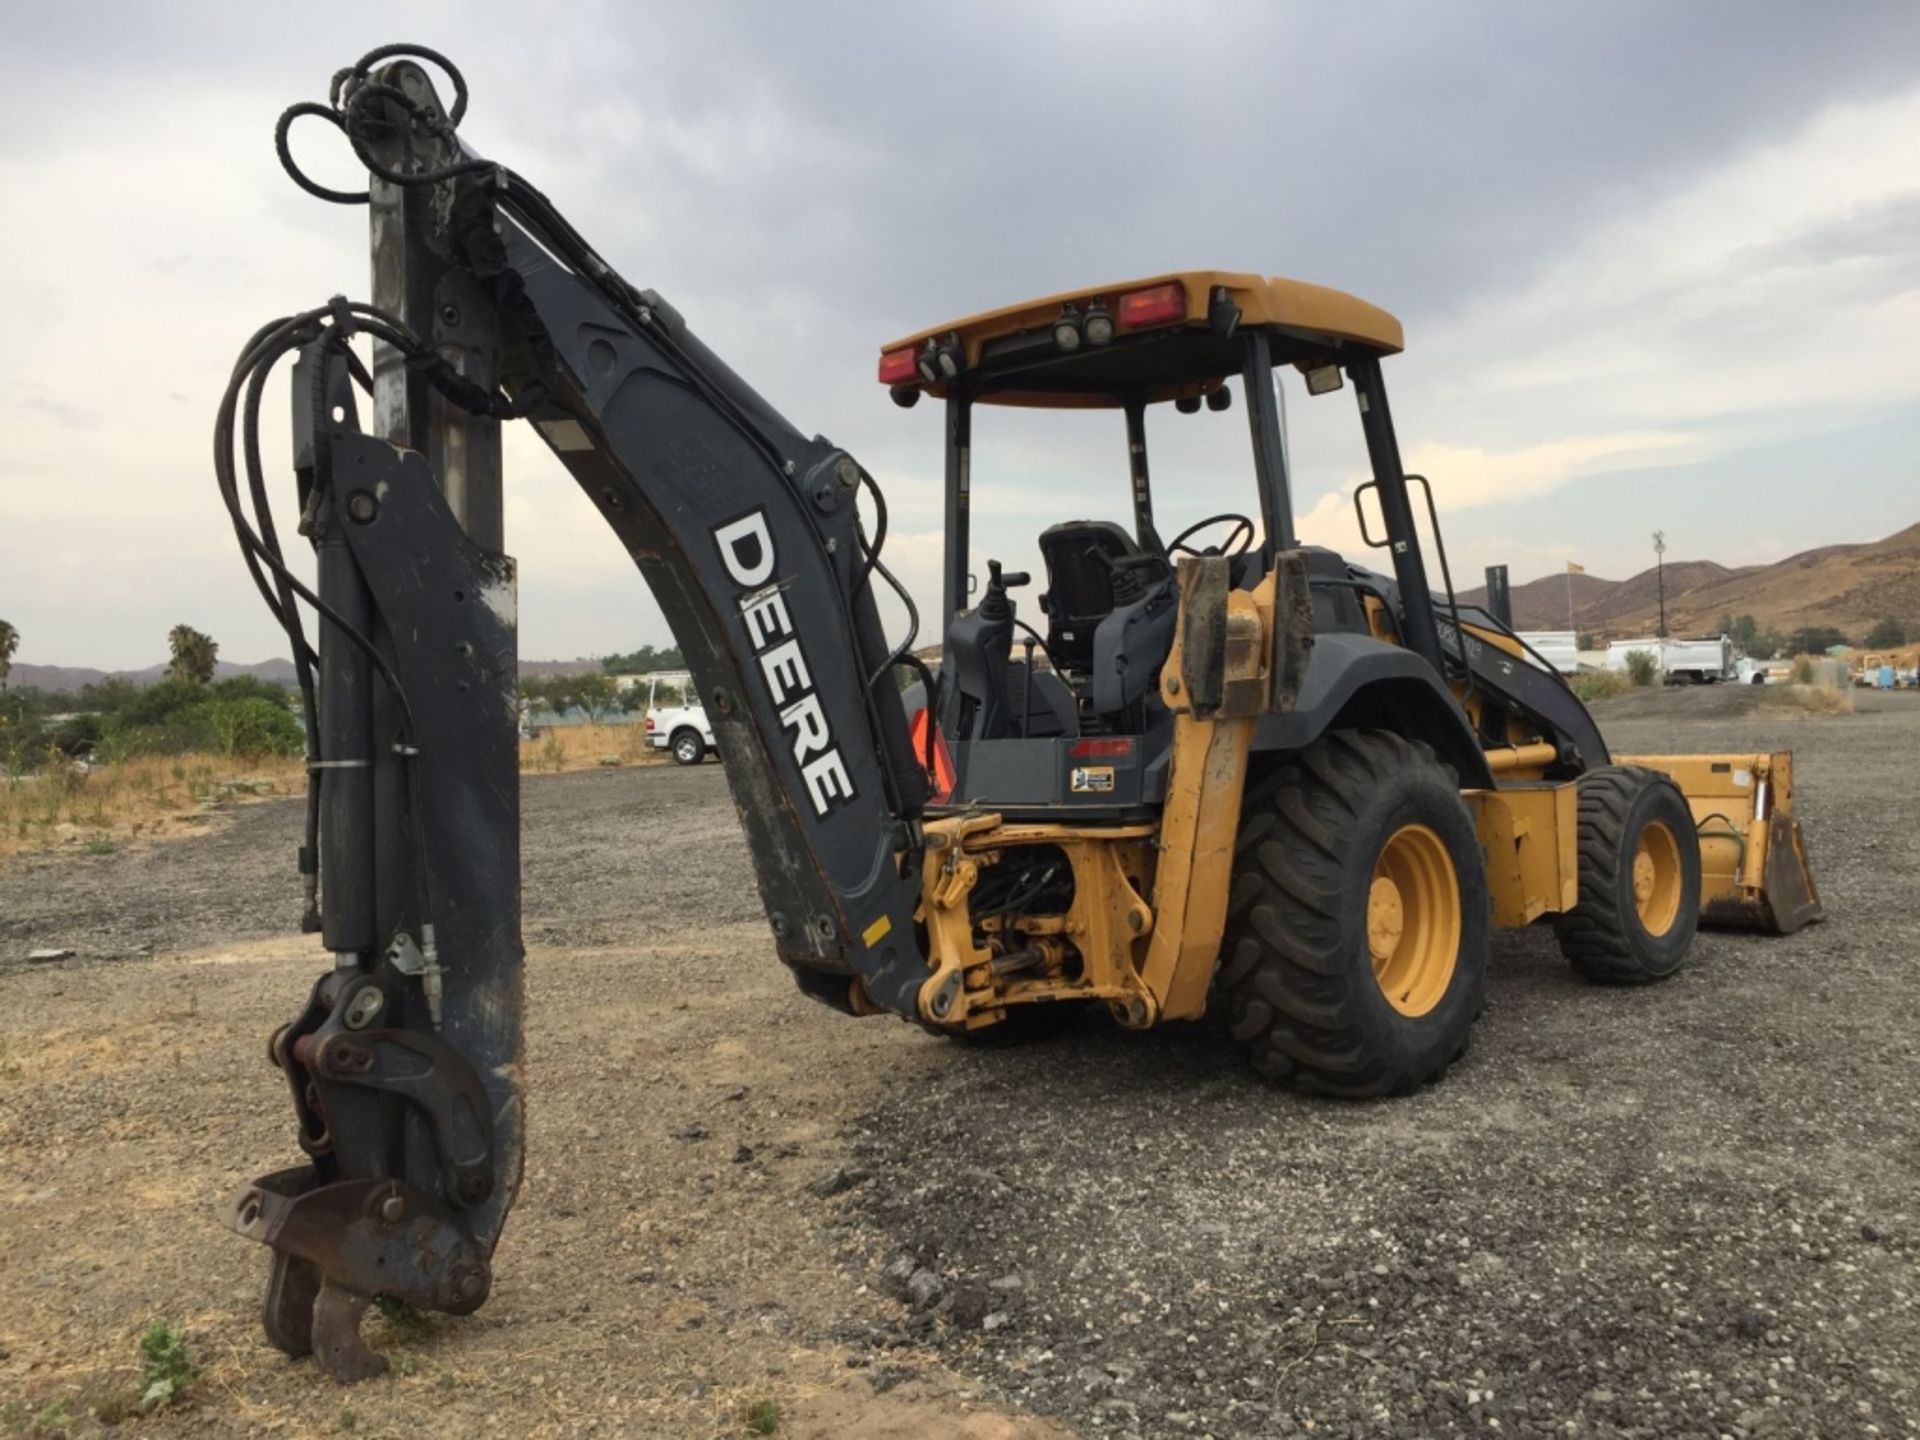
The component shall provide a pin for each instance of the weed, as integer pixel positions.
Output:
(761, 1417)
(346, 1419)
(1592, 685)
(100, 845)
(13, 1417)
(168, 1365)
(1815, 699)
(406, 1322)
(1803, 670)
(446, 1380)
(1643, 667)
(55, 1419)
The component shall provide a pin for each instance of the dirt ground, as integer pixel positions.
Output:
(1689, 1210)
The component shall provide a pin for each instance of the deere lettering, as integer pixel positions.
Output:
(746, 549)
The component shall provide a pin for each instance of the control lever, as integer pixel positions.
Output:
(994, 605)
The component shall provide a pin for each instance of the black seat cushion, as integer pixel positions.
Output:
(1079, 555)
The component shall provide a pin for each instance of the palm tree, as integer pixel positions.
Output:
(9, 643)
(193, 655)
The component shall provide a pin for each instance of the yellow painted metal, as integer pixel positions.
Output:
(1107, 924)
(1147, 961)
(1753, 859)
(1530, 836)
(1504, 758)
(1313, 312)
(1205, 782)
(1413, 919)
(1656, 878)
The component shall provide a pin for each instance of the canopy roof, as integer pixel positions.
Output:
(1011, 359)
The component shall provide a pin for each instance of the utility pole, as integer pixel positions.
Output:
(1660, 574)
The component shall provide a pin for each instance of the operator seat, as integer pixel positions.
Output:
(1079, 556)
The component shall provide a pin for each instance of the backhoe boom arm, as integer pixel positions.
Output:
(405, 1064)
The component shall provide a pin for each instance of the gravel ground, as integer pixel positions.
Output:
(1683, 1211)
(1687, 1210)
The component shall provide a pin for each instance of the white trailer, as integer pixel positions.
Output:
(1679, 662)
(1559, 648)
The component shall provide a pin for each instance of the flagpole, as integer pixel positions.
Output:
(1570, 624)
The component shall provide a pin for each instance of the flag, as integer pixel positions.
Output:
(1573, 569)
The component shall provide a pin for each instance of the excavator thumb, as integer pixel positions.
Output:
(1753, 859)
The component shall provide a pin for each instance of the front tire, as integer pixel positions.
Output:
(1357, 930)
(688, 747)
(1639, 878)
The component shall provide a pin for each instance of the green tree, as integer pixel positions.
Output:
(646, 658)
(1887, 635)
(253, 726)
(596, 694)
(1815, 639)
(9, 647)
(193, 655)
(1743, 630)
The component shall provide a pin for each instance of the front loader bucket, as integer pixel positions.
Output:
(1753, 860)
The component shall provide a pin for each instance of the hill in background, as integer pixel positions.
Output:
(64, 679)
(1849, 587)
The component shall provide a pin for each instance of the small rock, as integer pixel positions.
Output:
(742, 1155)
(44, 957)
(924, 1289)
(995, 1319)
(691, 1132)
(1752, 1325)
(1007, 1282)
(840, 1181)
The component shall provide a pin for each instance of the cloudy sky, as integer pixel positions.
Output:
(1659, 265)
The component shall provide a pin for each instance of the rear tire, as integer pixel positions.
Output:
(688, 747)
(1639, 878)
(1357, 929)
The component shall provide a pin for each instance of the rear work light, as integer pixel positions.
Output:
(1154, 306)
(897, 367)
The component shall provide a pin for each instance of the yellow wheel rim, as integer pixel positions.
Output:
(1413, 919)
(1656, 878)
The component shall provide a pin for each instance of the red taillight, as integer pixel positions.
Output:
(1155, 306)
(649, 722)
(940, 777)
(897, 367)
(1102, 747)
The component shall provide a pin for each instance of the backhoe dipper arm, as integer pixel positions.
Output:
(404, 1065)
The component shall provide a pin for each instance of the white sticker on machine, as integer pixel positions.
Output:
(1092, 780)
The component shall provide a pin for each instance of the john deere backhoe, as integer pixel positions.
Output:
(1226, 770)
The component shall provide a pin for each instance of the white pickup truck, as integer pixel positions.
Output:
(681, 729)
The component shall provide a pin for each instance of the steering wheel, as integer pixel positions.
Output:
(1239, 539)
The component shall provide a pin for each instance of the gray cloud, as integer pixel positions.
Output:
(806, 181)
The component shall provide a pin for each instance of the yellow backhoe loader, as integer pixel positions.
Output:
(1227, 770)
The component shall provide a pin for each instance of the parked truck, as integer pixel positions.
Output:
(1704, 661)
